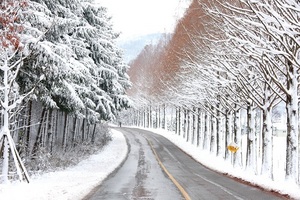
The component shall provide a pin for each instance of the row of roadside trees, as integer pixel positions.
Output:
(227, 64)
(61, 76)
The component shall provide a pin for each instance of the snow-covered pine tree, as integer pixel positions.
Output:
(84, 68)
(110, 72)
(54, 57)
(53, 60)
(73, 58)
(67, 57)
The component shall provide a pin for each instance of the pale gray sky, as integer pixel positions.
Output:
(134, 18)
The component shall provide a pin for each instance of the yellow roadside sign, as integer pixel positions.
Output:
(233, 147)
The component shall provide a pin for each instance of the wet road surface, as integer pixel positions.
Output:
(141, 177)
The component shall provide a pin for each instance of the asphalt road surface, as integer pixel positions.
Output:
(157, 169)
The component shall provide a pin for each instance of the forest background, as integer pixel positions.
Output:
(227, 77)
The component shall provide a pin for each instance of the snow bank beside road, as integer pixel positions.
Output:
(74, 182)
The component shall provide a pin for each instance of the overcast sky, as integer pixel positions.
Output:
(134, 18)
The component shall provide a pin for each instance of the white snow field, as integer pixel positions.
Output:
(74, 182)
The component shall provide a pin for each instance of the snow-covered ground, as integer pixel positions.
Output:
(75, 182)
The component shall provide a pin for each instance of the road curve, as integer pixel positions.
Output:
(152, 159)
(140, 176)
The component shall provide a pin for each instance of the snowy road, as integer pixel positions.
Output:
(141, 176)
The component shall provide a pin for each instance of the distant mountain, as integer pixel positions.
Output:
(134, 46)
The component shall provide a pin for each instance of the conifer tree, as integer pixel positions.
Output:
(85, 73)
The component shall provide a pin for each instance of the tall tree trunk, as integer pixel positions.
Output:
(199, 127)
(205, 136)
(188, 131)
(267, 135)
(150, 117)
(74, 131)
(156, 118)
(159, 120)
(237, 157)
(179, 121)
(94, 134)
(83, 130)
(88, 131)
(184, 123)
(140, 118)
(251, 150)
(194, 125)
(267, 146)
(258, 138)
(144, 117)
(213, 134)
(5, 164)
(137, 119)
(55, 134)
(28, 128)
(52, 133)
(292, 140)
(65, 132)
(164, 117)
(228, 133)
(171, 120)
(176, 120)
(38, 139)
(218, 130)
(21, 133)
(45, 132)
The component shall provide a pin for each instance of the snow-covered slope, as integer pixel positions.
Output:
(73, 182)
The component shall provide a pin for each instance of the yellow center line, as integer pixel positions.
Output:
(181, 189)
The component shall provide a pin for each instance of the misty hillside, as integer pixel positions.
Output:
(133, 47)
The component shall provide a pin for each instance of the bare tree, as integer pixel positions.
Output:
(11, 60)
